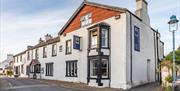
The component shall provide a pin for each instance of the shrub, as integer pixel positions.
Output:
(9, 73)
(169, 79)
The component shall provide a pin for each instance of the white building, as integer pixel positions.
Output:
(4, 65)
(100, 45)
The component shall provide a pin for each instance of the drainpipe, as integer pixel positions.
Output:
(131, 50)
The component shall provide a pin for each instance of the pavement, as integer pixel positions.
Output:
(25, 84)
(17, 84)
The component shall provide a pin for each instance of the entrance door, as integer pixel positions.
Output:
(148, 69)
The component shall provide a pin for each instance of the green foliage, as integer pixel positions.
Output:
(170, 56)
(9, 73)
(169, 78)
(169, 88)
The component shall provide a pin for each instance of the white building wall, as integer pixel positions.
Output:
(118, 51)
(139, 59)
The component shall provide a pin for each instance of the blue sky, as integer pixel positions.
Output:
(23, 22)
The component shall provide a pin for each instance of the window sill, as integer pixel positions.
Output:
(49, 75)
(71, 76)
(69, 53)
(54, 55)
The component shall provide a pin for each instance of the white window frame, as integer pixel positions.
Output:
(86, 19)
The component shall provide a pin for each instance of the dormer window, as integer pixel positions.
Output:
(86, 20)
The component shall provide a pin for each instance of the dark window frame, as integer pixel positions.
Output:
(54, 50)
(71, 72)
(97, 58)
(137, 39)
(99, 29)
(44, 52)
(49, 69)
(68, 52)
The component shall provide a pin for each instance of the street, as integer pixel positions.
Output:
(16, 84)
(24, 84)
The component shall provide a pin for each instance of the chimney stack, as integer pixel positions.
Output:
(48, 37)
(40, 40)
(29, 47)
(142, 11)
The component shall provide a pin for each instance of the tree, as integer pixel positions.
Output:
(170, 56)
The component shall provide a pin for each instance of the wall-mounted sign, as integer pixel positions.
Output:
(76, 42)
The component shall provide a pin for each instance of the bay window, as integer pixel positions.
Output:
(94, 68)
(99, 37)
(94, 38)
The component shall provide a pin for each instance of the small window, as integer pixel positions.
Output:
(136, 38)
(94, 38)
(71, 68)
(36, 54)
(60, 48)
(49, 69)
(86, 20)
(68, 47)
(21, 58)
(44, 52)
(54, 50)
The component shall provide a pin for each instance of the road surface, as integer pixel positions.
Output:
(15, 84)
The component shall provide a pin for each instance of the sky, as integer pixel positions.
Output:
(23, 22)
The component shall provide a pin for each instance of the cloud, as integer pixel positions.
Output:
(18, 30)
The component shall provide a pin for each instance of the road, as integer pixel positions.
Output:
(16, 84)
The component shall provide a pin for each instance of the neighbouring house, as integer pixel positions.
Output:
(100, 45)
(5, 65)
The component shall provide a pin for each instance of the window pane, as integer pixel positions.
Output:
(93, 67)
(94, 37)
(104, 68)
(104, 41)
(136, 39)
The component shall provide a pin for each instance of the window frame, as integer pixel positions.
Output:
(86, 20)
(70, 51)
(54, 50)
(49, 69)
(44, 52)
(90, 38)
(108, 36)
(97, 59)
(72, 68)
(137, 43)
